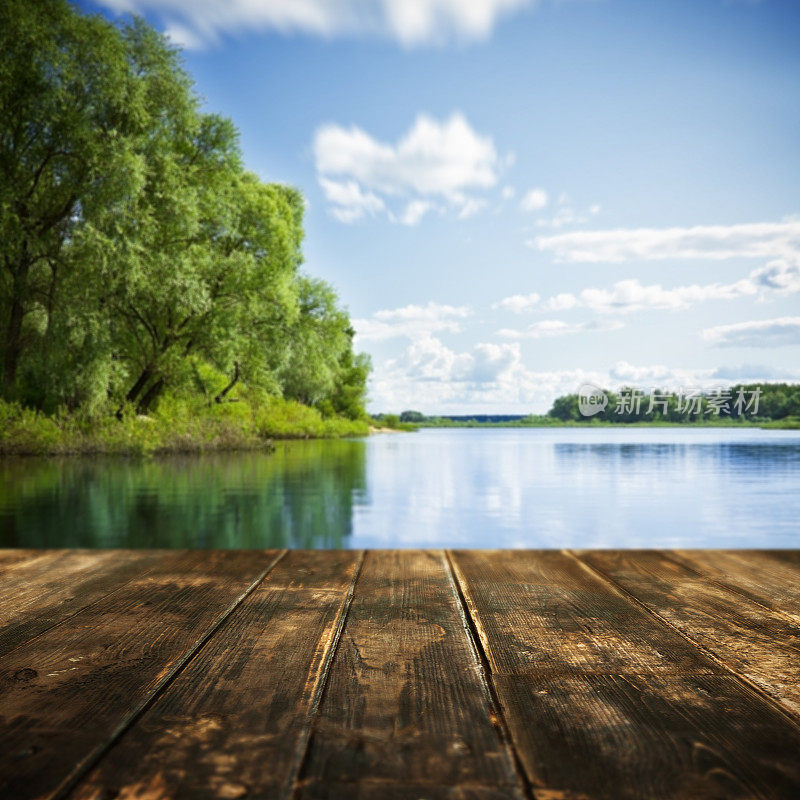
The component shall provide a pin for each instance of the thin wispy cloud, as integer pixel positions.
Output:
(715, 242)
(435, 162)
(549, 328)
(200, 23)
(779, 332)
(779, 277)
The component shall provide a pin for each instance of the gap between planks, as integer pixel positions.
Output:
(301, 750)
(95, 756)
(485, 673)
(746, 682)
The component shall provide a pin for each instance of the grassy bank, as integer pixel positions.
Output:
(175, 427)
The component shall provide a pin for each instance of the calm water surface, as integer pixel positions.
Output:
(437, 488)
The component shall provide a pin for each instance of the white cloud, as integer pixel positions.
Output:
(490, 377)
(548, 328)
(414, 212)
(534, 200)
(472, 206)
(412, 321)
(657, 376)
(518, 302)
(349, 201)
(561, 302)
(781, 277)
(752, 240)
(631, 295)
(508, 192)
(199, 23)
(433, 378)
(444, 160)
(778, 332)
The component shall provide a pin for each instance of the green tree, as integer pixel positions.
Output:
(67, 102)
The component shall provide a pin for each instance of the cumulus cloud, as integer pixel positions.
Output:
(198, 23)
(649, 376)
(434, 378)
(548, 328)
(534, 200)
(561, 302)
(489, 377)
(782, 331)
(781, 275)
(518, 302)
(444, 160)
(412, 321)
(751, 240)
(349, 202)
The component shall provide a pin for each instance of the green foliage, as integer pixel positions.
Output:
(140, 260)
(179, 425)
(776, 401)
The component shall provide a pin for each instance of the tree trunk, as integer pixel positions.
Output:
(151, 395)
(137, 388)
(12, 348)
(234, 380)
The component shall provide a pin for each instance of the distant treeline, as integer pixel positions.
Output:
(745, 402)
(766, 403)
(139, 259)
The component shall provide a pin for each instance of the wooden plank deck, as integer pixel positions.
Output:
(465, 675)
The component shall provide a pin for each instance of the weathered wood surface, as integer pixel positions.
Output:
(236, 721)
(407, 703)
(37, 593)
(751, 640)
(605, 701)
(473, 675)
(67, 692)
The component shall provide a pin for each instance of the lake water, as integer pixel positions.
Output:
(558, 487)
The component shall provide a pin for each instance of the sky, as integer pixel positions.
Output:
(515, 197)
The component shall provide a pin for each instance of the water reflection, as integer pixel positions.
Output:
(300, 496)
(445, 488)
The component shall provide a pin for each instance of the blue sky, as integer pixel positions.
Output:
(514, 197)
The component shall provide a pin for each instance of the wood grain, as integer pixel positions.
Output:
(751, 640)
(45, 590)
(235, 722)
(605, 701)
(771, 578)
(407, 712)
(68, 692)
(9, 557)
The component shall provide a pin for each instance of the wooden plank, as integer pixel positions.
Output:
(407, 712)
(771, 578)
(759, 644)
(68, 693)
(235, 722)
(605, 701)
(9, 557)
(40, 593)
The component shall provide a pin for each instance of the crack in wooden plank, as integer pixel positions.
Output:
(292, 785)
(470, 623)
